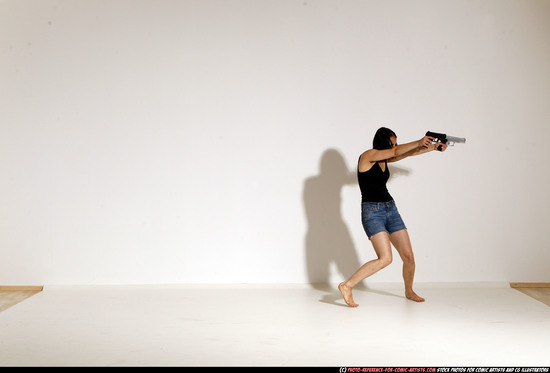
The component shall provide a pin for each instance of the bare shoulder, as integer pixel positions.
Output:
(364, 163)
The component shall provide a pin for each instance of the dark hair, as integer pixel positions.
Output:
(382, 140)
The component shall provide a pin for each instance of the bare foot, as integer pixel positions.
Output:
(414, 297)
(346, 292)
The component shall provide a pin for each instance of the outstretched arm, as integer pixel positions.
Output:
(418, 151)
(374, 155)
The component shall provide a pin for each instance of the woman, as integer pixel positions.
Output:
(379, 214)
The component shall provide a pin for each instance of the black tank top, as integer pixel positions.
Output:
(373, 184)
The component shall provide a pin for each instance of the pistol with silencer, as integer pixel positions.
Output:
(441, 137)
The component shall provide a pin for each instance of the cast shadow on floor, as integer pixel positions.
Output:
(328, 241)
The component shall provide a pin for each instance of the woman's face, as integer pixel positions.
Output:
(393, 141)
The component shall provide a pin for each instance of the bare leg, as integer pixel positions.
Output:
(402, 243)
(382, 247)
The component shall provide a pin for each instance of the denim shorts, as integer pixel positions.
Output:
(381, 217)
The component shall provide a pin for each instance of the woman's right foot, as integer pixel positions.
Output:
(414, 297)
(346, 292)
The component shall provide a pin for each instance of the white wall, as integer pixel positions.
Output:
(153, 141)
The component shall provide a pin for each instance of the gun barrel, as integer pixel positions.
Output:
(456, 139)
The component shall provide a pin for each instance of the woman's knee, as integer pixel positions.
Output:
(408, 258)
(385, 261)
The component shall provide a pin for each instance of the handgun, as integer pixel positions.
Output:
(443, 138)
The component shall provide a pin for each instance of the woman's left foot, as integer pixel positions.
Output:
(414, 297)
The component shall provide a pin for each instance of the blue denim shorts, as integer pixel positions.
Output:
(381, 217)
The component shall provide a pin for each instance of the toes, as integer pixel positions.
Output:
(415, 298)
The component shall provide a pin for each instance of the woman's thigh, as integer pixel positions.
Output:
(382, 245)
(402, 243)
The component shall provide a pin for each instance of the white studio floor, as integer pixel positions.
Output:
(276, 325)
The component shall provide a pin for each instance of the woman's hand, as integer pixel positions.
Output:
(426, 142)
(443, 146)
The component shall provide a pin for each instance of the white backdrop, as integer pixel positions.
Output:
(202, 141)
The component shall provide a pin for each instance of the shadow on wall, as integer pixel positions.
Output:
(328, 239)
